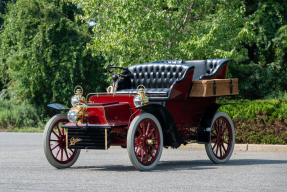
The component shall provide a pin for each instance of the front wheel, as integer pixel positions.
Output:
(222, 139)
(54, 143)
(145, 141)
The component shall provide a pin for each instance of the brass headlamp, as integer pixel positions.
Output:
(79, 109)
(141, 99)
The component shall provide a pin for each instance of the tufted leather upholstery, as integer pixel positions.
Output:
(205, 69)
(159, 76)
(156, 77)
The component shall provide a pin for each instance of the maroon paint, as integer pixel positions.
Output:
(181, 90)
(183, 110)
(222, 73)
(113, 98)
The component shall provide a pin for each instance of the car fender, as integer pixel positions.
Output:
(58, 106)
(169, 129)
(204, 127)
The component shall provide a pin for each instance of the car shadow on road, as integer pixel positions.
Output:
(162, 166)
(184, 165)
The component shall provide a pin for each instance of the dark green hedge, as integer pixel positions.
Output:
(258, 121)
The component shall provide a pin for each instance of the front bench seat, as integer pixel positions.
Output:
(158, 77)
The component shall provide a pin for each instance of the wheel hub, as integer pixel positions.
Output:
(220, 138)
(62, 140)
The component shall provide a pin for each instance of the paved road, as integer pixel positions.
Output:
(23, 167)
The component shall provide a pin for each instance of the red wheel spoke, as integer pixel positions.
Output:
(140, 132)
(147, 130)
(55, 134)
(138, 151)
(58, 152)
(55, 147)
(226, 142)
(143, 128)
(137, 144)
(142, 155)
(222, 122)
(214, 145)
(54, 140)
(155, 138)
(151, 132)
(220, 150)
(216, 126)
(213, 138)
(216, 149)
(146, 156)
(224, 148)
(149, 151)
(61, 154)
(225, 128)
(58, 130)
(66, 153)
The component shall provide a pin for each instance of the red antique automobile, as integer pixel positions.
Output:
(148, 107)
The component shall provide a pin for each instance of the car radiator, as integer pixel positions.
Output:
(91, 138)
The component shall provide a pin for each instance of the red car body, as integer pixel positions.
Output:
(169, 117)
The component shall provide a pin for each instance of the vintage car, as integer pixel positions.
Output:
(147, 108)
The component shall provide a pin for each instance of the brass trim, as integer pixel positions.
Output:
(105, 93)
(80, 88)
(105, 116)
(106, 140)
(73, 141)
(66, 138)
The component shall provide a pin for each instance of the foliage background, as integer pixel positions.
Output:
(47, 47)
(43, 53)
(251, 33)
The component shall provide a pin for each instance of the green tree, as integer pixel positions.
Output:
(132, 32)
(263, 73)
(249, 32)
(44, 55)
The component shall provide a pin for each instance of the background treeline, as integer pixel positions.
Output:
(47, 47)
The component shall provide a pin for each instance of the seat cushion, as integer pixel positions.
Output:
(153, 92)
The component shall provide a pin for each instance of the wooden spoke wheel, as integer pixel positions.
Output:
(54, 143)
(222, 139)
(145, 141)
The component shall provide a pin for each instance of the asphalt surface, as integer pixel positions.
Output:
(23, 167)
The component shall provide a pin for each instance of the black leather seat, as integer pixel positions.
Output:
(205, 69)
(158, 77)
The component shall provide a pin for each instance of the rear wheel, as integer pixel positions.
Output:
(54, 143)
(222, 139)
(145, 141)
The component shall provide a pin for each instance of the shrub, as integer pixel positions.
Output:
(44, 55)
(258, 121)
(19, 116)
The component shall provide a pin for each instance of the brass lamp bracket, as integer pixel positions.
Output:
(141, 91)
(79, 92)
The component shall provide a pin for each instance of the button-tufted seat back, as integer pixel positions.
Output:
(205, 69)
(157, 77)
